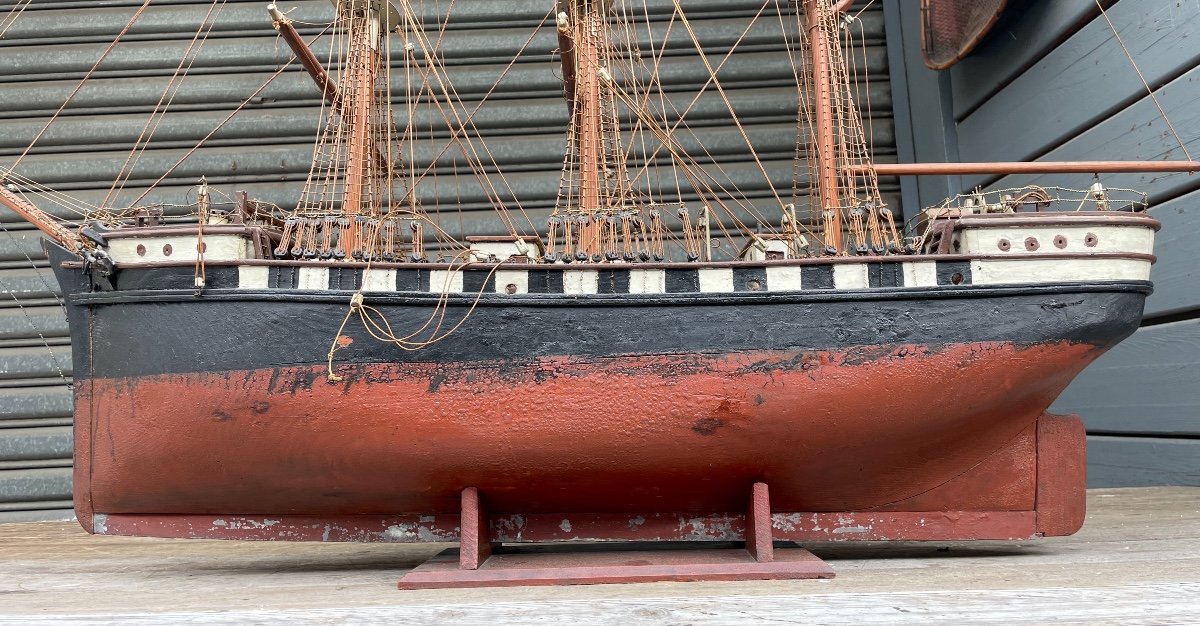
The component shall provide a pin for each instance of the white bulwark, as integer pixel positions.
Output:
(716, 279)
(647, 281)
(253, 276)
(850, 276)
(446, 281)
(920, 274)
(515, 280)
(579, 282)
(376, 279)
(783, 278)
(1042, 254)
(313, 278)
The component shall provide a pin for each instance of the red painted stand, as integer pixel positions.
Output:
(479, 563)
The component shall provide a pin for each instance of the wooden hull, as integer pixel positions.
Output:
(887, 413)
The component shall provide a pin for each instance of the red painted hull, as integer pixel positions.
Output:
(605, 441)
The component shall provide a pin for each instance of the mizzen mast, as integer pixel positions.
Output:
(854, 217)
(822, 112)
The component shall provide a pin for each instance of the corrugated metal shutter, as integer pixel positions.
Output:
(266, 149)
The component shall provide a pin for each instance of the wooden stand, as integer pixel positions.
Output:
(480, 563)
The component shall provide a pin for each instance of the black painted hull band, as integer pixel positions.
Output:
(163, 333)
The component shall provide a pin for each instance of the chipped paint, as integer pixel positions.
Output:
(711, 528)
(900, 525)
(401, 532)
(565, 526)
(99, 523)
(509, 528)
(785, 522)
(244, 523)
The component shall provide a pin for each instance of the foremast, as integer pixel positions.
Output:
(346, 209)
(595, 197)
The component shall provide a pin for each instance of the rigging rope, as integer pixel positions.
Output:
(1145, 84)
(240, 106)
(12, 16)
(164, 101)
(103, 55)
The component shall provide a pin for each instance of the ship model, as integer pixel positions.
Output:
(641, 366)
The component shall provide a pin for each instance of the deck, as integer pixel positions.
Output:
(1137, 560)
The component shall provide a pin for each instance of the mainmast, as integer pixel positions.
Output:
(595, 187)
(854, 217)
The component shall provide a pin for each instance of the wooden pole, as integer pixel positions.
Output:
(304, 54)
(827, 173)
(40, 219)
(1033, 167)
(312, 65)
(587, 109)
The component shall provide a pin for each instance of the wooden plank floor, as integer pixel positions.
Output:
(1137, 560)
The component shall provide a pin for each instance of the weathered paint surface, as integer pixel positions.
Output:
(1058, 510)
(870, 428)
(842, 526)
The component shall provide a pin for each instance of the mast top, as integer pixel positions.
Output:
(388, 19)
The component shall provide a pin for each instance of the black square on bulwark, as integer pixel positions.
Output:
(345, 278)
(412, 280)
(283, 277)
(816, 277)
(954, 272)
(682, 281)
(475, 281)
(612, 281)
(885, 275)
(749, 279)
(545, 281)
(225, 277)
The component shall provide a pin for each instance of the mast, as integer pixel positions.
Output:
(595, 177)
(351, 174)
(587, 114)
(363, 65)
(827, 173)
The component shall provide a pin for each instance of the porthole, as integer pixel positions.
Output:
(1004, 245)
(1090, 240)
(167, 250)
(141, 250)
(1031, 244)
(1060, 242)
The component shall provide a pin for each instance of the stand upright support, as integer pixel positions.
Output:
(479, 563)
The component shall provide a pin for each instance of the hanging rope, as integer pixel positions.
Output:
(378, 327)
(1145, 84)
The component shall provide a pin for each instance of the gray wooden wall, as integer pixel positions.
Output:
(1052, 83)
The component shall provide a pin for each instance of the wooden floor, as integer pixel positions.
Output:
(1137, 560)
